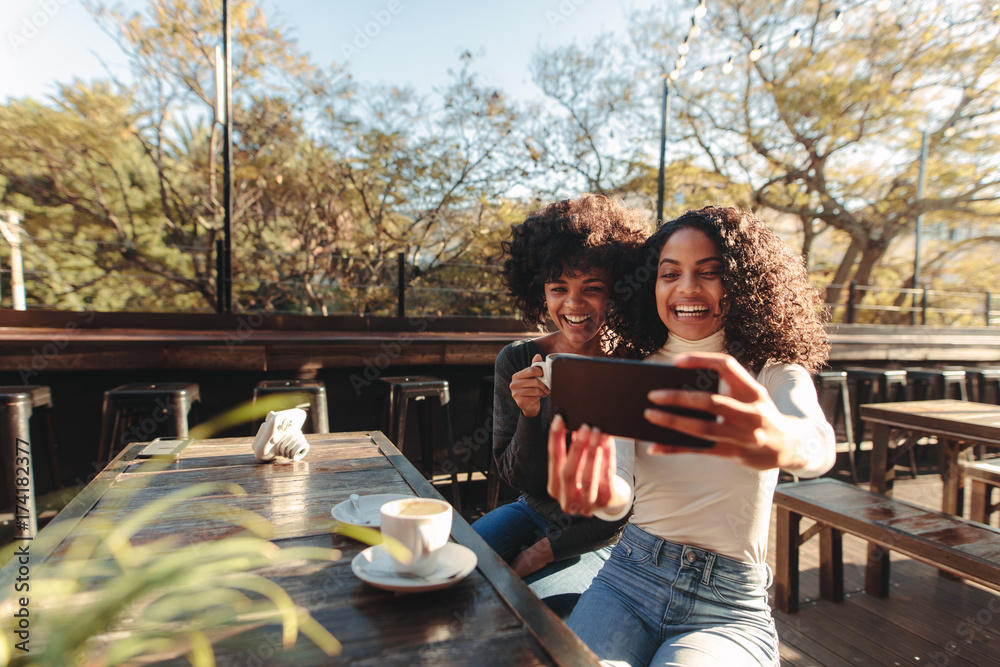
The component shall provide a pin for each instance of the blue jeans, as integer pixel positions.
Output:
(661, 603)
(512, 528)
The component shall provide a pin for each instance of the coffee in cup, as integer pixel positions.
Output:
(422, 525)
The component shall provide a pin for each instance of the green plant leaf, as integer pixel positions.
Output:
(247, 412)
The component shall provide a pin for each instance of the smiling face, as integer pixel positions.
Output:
(689, 290)
(578, 305)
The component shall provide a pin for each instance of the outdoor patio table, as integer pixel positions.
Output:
(488, 618)
(957, 425)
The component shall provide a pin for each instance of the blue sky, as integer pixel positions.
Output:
(385, 41)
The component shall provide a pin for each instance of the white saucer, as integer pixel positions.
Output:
(371, 515)
(374, 566)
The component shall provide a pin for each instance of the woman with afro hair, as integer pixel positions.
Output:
(562, 265)
(687, 582)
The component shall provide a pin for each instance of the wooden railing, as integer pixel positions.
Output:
(924, 306)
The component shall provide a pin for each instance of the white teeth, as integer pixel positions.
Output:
(691, 310)
(577, 320)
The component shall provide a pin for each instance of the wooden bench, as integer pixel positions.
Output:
(985, 476)
(967, 549)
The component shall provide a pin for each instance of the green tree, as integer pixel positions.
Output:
(580, 138)
(331, 180)
(827, 130)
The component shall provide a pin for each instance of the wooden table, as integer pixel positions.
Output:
(956, 424)
(488, 618)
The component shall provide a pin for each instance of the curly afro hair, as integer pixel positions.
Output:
(770, 311)
(589, 232)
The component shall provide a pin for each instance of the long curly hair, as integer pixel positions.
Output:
(770, 312)
(589, 232)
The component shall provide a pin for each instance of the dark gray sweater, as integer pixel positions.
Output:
(520, 445)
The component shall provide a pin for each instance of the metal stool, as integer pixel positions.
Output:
(19, 404)
(834, 398)
(985, 476)
(982, 384)
(314, 401)
(874, 385)
(877, 385)
(394, 397)
(926, 384)
(142, 411)
(933, 383)
(987, 384)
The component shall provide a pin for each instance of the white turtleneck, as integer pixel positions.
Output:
(718, 503)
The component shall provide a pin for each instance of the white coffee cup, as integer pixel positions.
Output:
(422, 525)
(546, 366)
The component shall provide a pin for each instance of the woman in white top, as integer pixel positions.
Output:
(687, 582)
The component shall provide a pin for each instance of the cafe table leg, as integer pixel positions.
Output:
(881, 476)
(952, 481)
(952, 484)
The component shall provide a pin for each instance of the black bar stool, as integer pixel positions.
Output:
(928, 384)
(877, 385)
(395, 394)
(142, 411)
(988, 385)
(18, 405)
(874, 385)
(982, 384)
(314, 403)
(834, 397)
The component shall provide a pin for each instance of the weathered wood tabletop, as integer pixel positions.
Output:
(956, 424)
(488, 618)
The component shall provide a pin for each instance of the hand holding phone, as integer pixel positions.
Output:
(612, 394)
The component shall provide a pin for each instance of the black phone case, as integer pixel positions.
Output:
(610, 394)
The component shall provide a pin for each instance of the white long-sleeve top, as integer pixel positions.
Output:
(718, 503)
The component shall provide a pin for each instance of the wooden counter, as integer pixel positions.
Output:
(33, 342)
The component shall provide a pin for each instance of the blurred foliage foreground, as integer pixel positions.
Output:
(111, 599)
(107, 601)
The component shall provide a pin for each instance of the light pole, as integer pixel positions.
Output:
(11, 230)
(921, 178)
(664, 124)
(224, 265)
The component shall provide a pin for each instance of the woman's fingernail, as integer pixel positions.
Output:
(557, 422)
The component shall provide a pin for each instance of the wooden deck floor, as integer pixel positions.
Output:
(926, 620)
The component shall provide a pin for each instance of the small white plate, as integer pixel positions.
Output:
(374, 566)
(371, 515)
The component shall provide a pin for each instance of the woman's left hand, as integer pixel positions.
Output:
(748, 426)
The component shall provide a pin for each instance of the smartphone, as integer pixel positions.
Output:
(611, 394)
